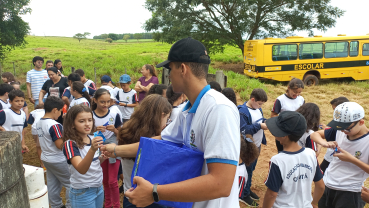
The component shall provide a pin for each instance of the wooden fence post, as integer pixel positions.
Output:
(14, 68)
(95, 74)
(219, 77)
(73, 69)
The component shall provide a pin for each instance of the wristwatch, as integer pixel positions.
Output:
(155, 194)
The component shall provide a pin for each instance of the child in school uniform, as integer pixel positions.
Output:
(328, 157)
(176, 100)
(89, 84)
(290, 101)
(252, 122)
(67, 96)
(80, 94)
(126, 97)
(108, 122)
(16, 85)
(50, 136)
(311, 113)
(82, 153)
(4, 95)
(346, 174)
(292, 170)
(13, 118)
(34, 117)
(107, 83)
(248, 154)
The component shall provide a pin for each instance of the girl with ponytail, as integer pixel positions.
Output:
(80, 94)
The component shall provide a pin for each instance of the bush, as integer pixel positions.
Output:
(109, 40)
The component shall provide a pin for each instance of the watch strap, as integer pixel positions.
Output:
(155, 194)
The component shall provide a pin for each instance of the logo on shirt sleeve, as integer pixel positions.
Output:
(111, 121)
(193, 139)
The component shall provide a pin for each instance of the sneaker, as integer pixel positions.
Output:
(248, 201)
(254, 196)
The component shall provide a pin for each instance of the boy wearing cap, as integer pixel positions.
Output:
(108, 84)
(349, 168)
(292, 170)
(127, 97)
(209, 123)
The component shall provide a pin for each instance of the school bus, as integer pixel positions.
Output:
(308, 59)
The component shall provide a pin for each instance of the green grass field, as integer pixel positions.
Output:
(112, 58)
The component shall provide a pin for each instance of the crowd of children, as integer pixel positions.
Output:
(69, 148)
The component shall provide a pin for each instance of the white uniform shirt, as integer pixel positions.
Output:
(68, 94)
(345, 176)
(12, 121)
(113, 92)
(176, 111)
(285, 103)
(4, 105)
(290, 175)
(93, 177)
(329, 155)
(242, 178)
(211, 126)
(111, 118)
(78, 101)
(49, 131)
(128, 98)
(257, 117)
(90, 86)
(34, 117)
(305, 141)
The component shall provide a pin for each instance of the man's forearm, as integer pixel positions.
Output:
(128, 150)
(29, 90)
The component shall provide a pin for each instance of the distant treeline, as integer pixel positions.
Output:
(114, 36)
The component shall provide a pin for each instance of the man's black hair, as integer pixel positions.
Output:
(259, 95)
(4, 88)
(80, 72)
(157, 89)
(74, 77)
(338, 101)
(37, 58)
(215, 86)
(53, 102)
(15, 93)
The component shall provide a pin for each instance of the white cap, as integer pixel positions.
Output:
(345, 114)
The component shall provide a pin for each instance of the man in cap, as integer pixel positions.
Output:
(349, 168)
(292, 170)
(209, 123)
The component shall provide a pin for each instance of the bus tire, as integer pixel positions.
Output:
(311, 80)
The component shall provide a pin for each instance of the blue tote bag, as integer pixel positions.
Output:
(165, 162)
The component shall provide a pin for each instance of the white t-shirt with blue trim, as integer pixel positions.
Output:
(12, 121)
(211, 126)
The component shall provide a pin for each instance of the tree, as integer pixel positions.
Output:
(109, 40)
(12, 28)
(126, 37)
(104, 36)
(137, 36)
(113, 36)
(81, 36)
(219, 22)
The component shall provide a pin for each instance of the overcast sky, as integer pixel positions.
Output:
(68, 17)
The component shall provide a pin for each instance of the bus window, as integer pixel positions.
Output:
(336, 49)
(354, 48)
(311, 50)
(284, 52)
(366, 49)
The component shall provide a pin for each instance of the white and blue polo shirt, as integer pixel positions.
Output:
(12, 121)
(211, 126)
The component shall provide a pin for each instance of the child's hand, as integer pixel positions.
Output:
(365, 194)
(344, 155)
(101, 128)
(96, 142)
(25, 149)
(329, 144)
(264, 126)
(110, 128)
(2, 128)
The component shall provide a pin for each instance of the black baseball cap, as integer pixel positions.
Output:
(287, 123)
(186, 50)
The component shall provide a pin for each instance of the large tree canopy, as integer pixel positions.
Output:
(12, 28)
(220, 22)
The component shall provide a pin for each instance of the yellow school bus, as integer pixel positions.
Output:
(308, 59)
